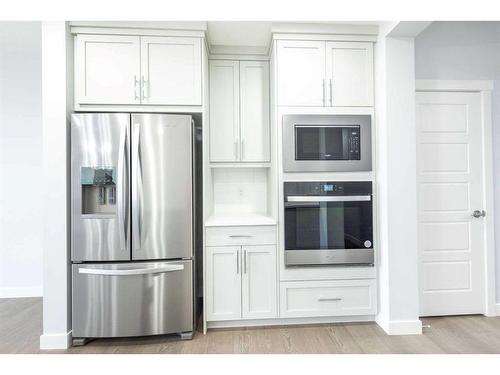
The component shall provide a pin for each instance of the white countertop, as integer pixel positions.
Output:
(221, 220)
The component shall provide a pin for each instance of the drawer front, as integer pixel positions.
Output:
(238, 236)
(132, 299)
(327, 298)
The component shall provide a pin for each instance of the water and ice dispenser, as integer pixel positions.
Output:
(98, 190)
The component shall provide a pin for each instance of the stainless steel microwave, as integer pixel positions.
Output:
(327, 143)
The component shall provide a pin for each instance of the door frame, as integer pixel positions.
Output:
(484, 88)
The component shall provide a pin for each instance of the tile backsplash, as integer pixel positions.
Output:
(240, 190)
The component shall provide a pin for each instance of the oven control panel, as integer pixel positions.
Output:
(327, 188)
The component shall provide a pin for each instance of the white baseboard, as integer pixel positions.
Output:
(55, 341)
(401, 327)
(34, 291)
(289, 321)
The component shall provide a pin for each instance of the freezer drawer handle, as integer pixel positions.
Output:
(134, 271)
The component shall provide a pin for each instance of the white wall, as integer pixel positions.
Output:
(20, 159)
(57, 77)
(466, 50)
(396, 183)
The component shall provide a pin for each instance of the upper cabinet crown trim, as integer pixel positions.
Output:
(326, 37)
(136, 31)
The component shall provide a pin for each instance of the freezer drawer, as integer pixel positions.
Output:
(132, 299)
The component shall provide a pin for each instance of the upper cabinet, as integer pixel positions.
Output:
(107, 69)
(349, 71)
(301, 73)
(325, 74)
(171, 70)
(239, 111)
(137, 70)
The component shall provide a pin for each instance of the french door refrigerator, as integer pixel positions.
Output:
(132, 224)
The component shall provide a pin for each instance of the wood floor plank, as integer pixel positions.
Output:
(21, 326)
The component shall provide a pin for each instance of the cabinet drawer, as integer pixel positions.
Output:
(244, 235)
(327, 298)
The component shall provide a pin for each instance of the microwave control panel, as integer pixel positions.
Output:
(353, 144)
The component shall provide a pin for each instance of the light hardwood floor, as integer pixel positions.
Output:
(21, 326)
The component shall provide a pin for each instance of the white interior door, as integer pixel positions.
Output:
(451, 241)
(223, 283)
(301, 73)
(107, 69)
(259, 282)
(171, 68)
(254, 111)
(349, 70)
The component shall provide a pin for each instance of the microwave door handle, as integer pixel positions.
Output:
(332, 198)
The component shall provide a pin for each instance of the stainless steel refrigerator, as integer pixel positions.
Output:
(132, 225)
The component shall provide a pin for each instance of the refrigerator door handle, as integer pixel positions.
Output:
(123, 211)
(136, 187)
(132, 271)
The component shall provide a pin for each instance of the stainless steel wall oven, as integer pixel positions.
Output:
(328, 223)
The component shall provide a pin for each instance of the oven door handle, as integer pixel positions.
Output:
(328, 198)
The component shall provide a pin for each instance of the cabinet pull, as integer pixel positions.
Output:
(136, 86)
(321, 299)
(245, 261)
(235, 150)
(331, 92)
(242, 149)
(143, 88)
(238, 262)
(240, 236)
(324, 91)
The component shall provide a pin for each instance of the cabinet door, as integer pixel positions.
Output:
(107, 69)
(223, 283)
(301, 73)
(259, 298)
(171, 70)
(254, 111)
(349, 69)
(224, 110)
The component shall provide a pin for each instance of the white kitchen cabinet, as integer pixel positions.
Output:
(137, 70)
(325, 74)
(259, 282)
(171, 70)
(254, 111)
(224, 110)
(241, 278)
(239, 111)
(107, 69)
(301, 73)
(223, 283)
(349, 71)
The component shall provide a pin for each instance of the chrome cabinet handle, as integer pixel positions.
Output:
(321, 299)
(324, 91)
(235, 149)
(133, 271)
(478, 213)
(237, 261)
(143, 88)
(136, 86)
(240, 236)
(245, 260)
(331, 92)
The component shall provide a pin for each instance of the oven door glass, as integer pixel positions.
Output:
(324, 142)
(328, 225)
